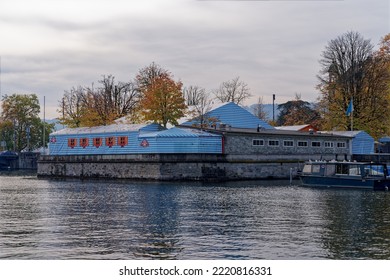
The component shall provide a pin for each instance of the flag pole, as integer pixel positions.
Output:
(349, 112)
(44, 126)
(352, 120)
(352, 109)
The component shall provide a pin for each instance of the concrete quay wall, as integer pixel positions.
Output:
(201, 167)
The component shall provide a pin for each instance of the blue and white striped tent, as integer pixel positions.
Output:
(68, 141)
(181, 140)
(232, 115)
(132, 139)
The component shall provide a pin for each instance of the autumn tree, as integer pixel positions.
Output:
(163, 100)
(148, 74)
(296, 112)
(351, 70)
(233, 90)
(375, 101)
(93, 106)
(21, 126)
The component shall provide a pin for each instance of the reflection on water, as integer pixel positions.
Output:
(238, 220)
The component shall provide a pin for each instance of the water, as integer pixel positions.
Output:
(42, 219)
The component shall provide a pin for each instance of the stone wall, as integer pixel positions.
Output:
(166, 167)
(242, 144)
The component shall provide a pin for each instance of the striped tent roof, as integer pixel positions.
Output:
(106, 129)
(179, 132)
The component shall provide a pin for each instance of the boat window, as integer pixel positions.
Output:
(354, 170)
(307, 168)
(342, 169)
(330, 169)
(374, 170)
(316, 168)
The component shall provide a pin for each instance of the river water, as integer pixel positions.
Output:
(44, 219)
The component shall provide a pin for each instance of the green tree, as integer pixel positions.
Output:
(351, 70)
(6, 135)
(163, 100)
(23, 127)
(297, 112)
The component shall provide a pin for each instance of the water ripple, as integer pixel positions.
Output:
(238, 220)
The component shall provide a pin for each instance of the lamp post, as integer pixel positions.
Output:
(273, 108)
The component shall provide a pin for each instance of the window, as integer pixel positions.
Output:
(302, 144)
(342, 169)
(257, 142)
(72, 142)
(316, 144)
(328, 144)
(110, 141)
(122, 141)
(97, 142)
(288, 143)
(84, 142)
(273, 142)
(354, 170)
(341, 145)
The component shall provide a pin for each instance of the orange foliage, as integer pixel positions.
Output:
(163, 101)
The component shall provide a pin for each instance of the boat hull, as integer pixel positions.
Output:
(345, 182)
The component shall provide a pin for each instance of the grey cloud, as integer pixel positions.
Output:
(274, 47)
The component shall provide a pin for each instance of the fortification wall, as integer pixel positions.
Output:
(170, 167)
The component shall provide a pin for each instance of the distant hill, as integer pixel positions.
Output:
(57, 125)
(268, 110)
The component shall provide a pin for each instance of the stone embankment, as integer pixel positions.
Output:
(200, 167)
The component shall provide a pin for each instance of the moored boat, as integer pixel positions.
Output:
(345, 174)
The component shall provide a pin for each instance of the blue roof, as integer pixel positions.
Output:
(112, 128)
(179, 132)
(233, 115)
(384, 139)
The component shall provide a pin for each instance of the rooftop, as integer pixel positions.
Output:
(100, 129)
(275, 132)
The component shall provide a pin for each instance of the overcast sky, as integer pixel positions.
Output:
(48, 46)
